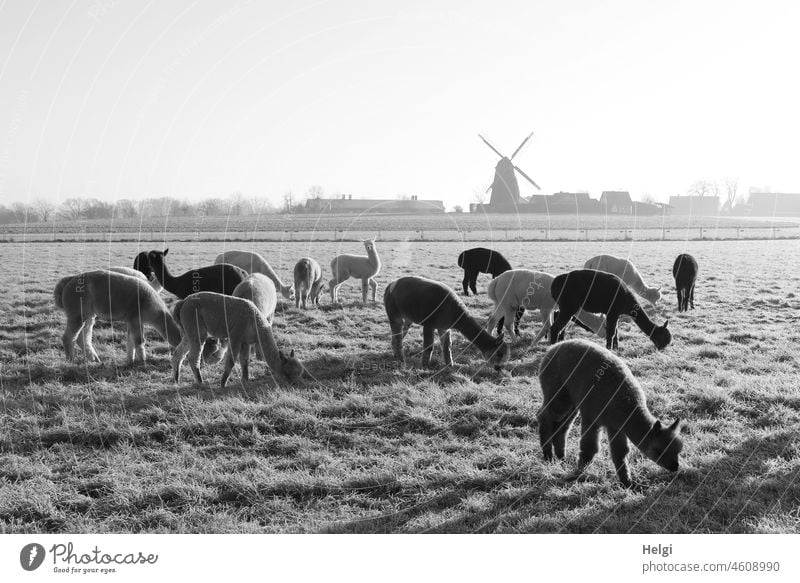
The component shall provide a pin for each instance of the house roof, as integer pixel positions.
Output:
(615, 197)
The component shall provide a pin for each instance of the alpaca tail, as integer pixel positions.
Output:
(176, 313)
(490, 290)
(58, 292)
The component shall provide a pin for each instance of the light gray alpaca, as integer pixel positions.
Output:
(580, 376)
(252, 262)
(113, 296)
(308, 284)
(523, 288)
(206, 315)
(627, 272)
(343, 267)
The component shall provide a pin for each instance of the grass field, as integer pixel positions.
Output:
(368, 447)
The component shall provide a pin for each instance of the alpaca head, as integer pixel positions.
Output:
(653, 295)
(155, 260)
(291, 367)
(661, 337)
(663, 445)
(287, 292)
(369, 245)
(498, 355)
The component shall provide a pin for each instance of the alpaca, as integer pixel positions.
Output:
(685, 270)
(260, 290)
(308, 282)
(601, 293)
(252, 262)
(517, 290)
(222, 278)
(206, 315)
(627, 272)
(578, 376)
(423, 301)
(116, 297)
(480, 260)
(366, 268)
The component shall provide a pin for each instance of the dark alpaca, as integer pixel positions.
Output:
(480, 260)
(578, 376)
(416, 300)
(684, 270)
(601, 293)
(221, 278)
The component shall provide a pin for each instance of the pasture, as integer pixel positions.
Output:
(367, 446)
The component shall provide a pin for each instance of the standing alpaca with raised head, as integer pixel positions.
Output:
(211, 315)
(601, 293)
(222, 278)
(343, 267)
(517, 290)
(308, 282)
(480, 260)
(627, 272)
(416, 300)
(254, 263)
(115, 297)
(685, 270)
(578, 376)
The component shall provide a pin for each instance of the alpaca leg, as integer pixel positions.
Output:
(181, 350)
(618, 444)
(427, 344)
(88, 348)
(397, 340)
(297, 298)
(473, 282)
(406, 325)
(560, 433)
(560, 322)
(518, 319)
(494, 320)
(465, 283)
(444, 339)
(137, 337)
(364, 288)
(230, 359)
(546, 426)
(374, 287)
(612, 341)
(129, 351)
(691, 296)
(333, 285)
(71, 333)
(244, 363)
(590, 443)
(195, 353)
(546, 321)
(508, 322)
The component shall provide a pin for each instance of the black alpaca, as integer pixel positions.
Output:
(417, 300)
(480, 260)
(221, 278)
(601, 293)
(684, 270)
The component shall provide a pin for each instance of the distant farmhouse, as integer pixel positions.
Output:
(348, 204)
(769, 204)
(611, 202)
(694, 205)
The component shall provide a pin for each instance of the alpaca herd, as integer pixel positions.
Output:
(225, 308)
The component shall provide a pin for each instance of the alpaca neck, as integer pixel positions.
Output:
(374, 260)
(268, 347)
(473, 332)
(638, 427)
(164, 276)
(166, 326)
(639, 316)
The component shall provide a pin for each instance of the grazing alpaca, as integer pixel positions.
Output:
(116, 297)
(308, 282)
(260, 290)
(480, 260)
(577, 375)
(517, 290)
(366, 268)
(423, 301)
(211, 315)
(601, 293)
(685, 270)
(254, 263)
(627, 272)
(221, 278)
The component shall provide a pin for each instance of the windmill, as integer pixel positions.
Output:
(505, 189)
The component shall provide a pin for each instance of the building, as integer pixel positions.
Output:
(642, 209)
(694, 205)
(770, 204)
(348, 204)
(616, 202)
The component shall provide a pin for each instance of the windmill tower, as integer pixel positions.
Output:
(505, 188)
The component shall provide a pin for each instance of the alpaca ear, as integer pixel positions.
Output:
(657, 426)
(282, 356)
(665, 323)
(291, 354)
(166, 251)
(676, 427)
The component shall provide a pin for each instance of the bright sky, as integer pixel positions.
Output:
(126, 99)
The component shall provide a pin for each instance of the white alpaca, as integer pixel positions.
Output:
(343, 267)
(308, 284)
(116, 297)
(206, 315)
(260, 290)
(627, 272)
(254, 263)
(523, 288)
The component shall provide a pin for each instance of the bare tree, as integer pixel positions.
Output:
(315, 191)
(43, 208)
(731, 191)
(262, 205)
(704, 188)
(23, 213)
(73, 208)
(238, 204)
